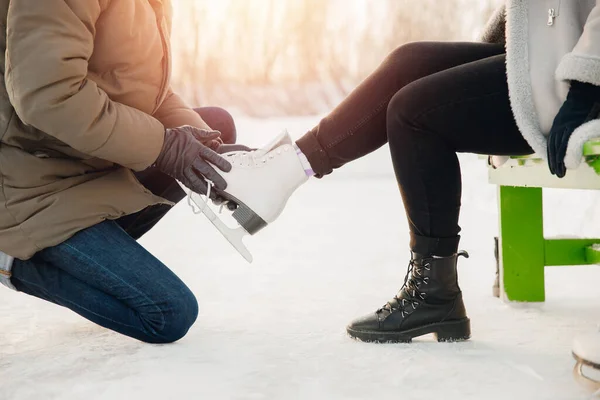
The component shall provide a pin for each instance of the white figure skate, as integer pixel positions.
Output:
(258, 187)
(586, 350)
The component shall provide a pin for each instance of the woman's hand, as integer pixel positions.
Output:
(582, 105)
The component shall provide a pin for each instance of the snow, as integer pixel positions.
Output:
(275, 329)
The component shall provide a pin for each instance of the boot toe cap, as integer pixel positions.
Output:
(367, 323)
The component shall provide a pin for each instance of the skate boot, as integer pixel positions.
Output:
(258, 187)
(430, 301)
(586, 350)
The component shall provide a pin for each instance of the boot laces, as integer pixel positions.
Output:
(410, 295)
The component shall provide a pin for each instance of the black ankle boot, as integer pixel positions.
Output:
(430, 301)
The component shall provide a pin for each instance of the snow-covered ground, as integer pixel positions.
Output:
(275, 329)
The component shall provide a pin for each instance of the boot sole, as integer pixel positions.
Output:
(449, 331)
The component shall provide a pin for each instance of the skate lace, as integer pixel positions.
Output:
(205, 199)
(255, 157)
(410, 296)
(243, 158)
(192, 204)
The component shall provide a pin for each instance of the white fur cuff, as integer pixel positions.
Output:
(584, 133)
(519, 79)
(577, 67)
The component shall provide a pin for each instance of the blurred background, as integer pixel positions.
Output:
(265, 58)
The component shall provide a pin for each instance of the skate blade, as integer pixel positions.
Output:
(585, 381)
(233, 235)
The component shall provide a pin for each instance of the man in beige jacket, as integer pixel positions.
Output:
(92, 140)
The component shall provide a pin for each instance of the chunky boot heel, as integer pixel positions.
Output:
(453, 331)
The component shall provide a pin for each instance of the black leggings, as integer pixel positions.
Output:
(430, 101)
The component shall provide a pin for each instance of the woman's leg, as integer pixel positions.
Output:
(358, 125)
(105, 276)
(461, 109)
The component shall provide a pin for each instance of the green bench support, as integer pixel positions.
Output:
(523, 251)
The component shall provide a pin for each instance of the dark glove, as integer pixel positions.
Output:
(213, 144)
(582, 105)
(185, 158)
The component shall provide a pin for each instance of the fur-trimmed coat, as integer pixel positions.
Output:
(548, 44)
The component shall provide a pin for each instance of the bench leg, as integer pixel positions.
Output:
(521, 243)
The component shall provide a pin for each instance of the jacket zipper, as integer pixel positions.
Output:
(553, 13)
(162, 28)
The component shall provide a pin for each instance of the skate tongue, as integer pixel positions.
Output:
(278, 141)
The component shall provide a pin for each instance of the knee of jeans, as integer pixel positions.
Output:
(225, 124)
(220, 120)
(178, 317)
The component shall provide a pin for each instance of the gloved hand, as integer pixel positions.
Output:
(185, 158)
(582, 105)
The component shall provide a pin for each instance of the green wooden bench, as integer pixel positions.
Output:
(522, 250)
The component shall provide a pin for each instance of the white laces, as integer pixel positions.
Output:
(243, 158)
(251, 158)
(191, 202)
(205, 199)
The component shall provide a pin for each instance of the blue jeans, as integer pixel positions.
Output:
(104, 275)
